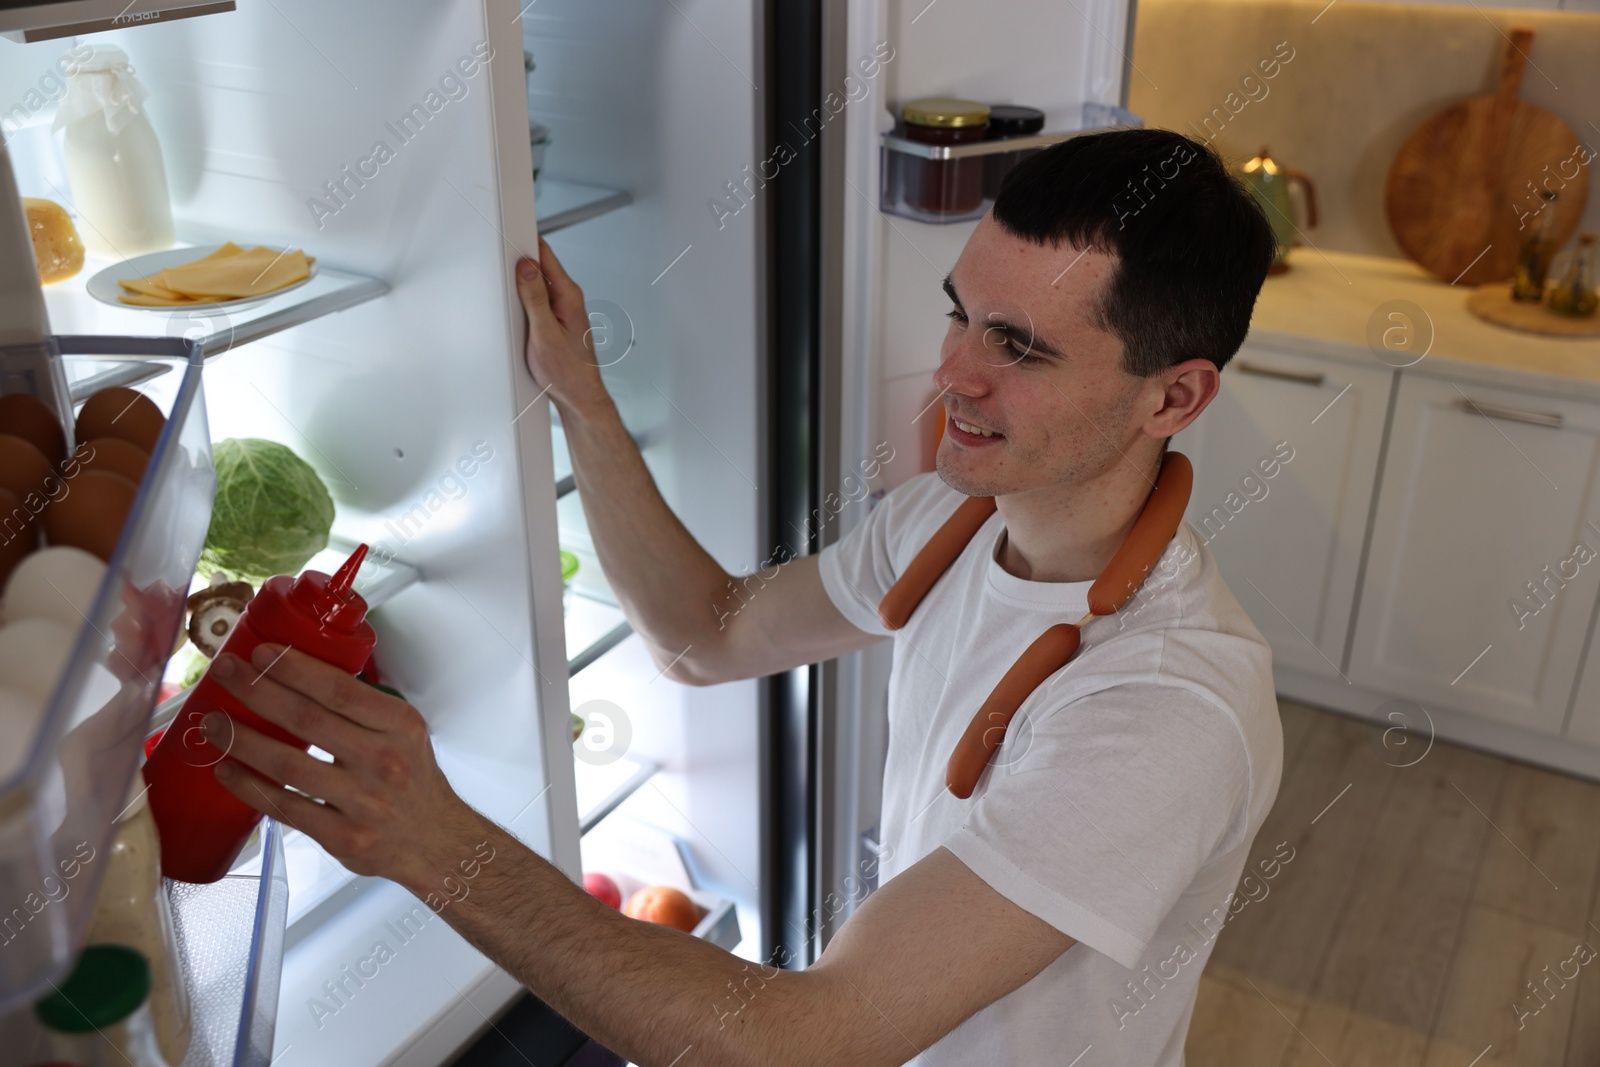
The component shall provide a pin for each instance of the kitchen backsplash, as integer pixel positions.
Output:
(1334, 89)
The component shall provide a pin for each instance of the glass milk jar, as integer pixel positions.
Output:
(119, 185)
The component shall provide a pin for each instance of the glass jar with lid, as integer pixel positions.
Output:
(133, 910)
(1008, 120)
(1575, 293)
(99, 1017)
(944, 186)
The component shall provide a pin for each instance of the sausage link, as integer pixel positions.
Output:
(933, 560)
(1049, 652)
(1149, 537)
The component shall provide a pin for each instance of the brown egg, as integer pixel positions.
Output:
(115, 455)
(32, 420)
(23, 468)
(91, 513)
(124, 413)
(17, 534)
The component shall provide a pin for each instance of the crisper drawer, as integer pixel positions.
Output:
(58, 807)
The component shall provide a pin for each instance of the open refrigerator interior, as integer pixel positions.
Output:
(396, 373)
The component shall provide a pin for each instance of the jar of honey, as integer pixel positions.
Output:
(944, 186)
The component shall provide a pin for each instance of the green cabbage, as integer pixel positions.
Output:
(272, 512)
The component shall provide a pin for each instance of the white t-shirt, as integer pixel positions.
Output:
(1123, 803)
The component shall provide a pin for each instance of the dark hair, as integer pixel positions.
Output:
(1191, 243)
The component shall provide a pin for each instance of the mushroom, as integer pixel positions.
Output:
(214, 610)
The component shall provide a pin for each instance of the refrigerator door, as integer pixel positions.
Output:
(390, 140)
(881, 346)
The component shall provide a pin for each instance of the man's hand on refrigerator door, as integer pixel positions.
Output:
(560, 350)
(382, 807)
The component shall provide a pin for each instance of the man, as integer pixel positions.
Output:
(1072, 901)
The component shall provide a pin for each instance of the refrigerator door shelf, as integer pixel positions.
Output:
(230, 934)
(59, 803)
(925, 182)
(904, 146)
(52, 20)
(73, 310)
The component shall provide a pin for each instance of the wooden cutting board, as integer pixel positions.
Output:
(1466, 182)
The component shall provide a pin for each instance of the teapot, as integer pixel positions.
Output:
(1269, 181)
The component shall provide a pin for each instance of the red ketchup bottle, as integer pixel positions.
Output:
(202, 826)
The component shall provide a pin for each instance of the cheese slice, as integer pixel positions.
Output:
(139, 300)
(252, 272)
(150, 286)
(229, 273)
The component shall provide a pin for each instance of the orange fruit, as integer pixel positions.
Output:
(665, 906)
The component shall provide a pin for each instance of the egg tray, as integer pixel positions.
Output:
(58, 809)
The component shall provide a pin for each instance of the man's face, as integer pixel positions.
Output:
(1022, 361)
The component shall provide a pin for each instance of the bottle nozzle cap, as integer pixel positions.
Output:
(330, 598)
(343, 578)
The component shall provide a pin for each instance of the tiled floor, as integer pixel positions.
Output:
(1420, 903)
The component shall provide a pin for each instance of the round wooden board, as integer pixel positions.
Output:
(1493, 303)
(1440, 198)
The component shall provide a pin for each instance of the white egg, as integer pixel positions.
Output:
(19, 722)
(33, 653)
(57, 583)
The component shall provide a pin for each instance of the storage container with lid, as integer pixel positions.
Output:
(1008, 120)
(944, 186)
(99, 1017)
(114, 165)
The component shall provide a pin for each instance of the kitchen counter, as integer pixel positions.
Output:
(1324, 304)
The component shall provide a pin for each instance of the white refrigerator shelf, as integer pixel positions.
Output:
(593, 628)
(602, 787)
(561, 204)
(73, 769)
(73, 310)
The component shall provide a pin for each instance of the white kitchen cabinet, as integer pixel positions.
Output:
(1289, 545)
(1583, 722)
(1474, 598)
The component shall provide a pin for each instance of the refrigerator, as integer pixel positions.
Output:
(713, 177)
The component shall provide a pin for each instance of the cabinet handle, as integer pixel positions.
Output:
(1551, 419)
(1303, 378)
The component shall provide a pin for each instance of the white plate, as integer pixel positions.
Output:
(104, 288)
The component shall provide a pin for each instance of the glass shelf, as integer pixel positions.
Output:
(73, 310)
(594, 627)
(602, 788)
(560, 204)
